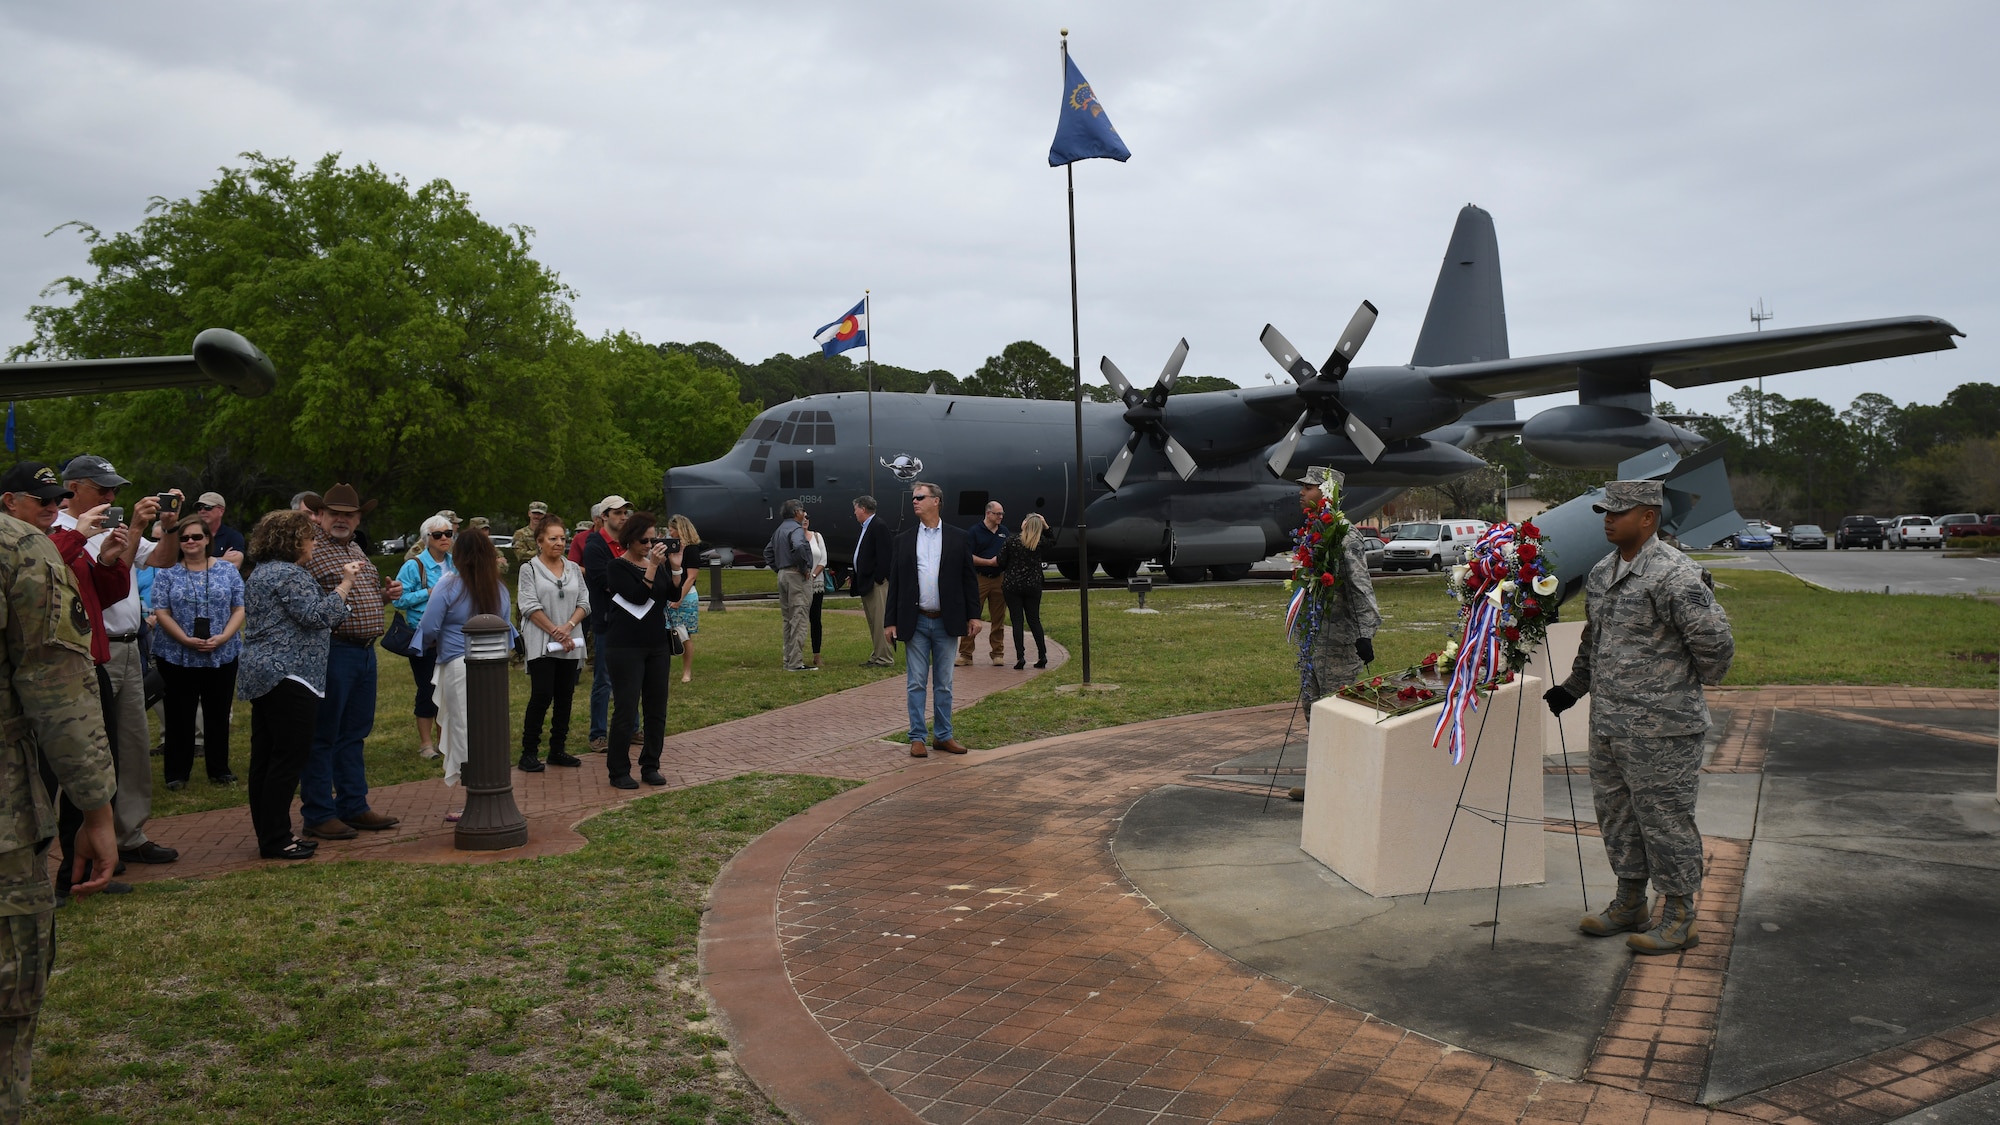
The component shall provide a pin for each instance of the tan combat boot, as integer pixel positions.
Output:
(1677, 929)
(1629, 911)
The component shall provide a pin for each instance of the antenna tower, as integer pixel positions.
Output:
(1758, 315)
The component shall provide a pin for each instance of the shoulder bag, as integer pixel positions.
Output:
(398, 636)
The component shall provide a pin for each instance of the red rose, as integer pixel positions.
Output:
(1326, 579)
(1513, 634)
(1530, 531)
(1376, 682)
(1528, 552)
(1530, 608)
(1426, 693)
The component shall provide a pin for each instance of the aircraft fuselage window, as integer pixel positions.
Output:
(795, 474)
(972, 503)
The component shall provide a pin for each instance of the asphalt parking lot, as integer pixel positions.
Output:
(1903, 572)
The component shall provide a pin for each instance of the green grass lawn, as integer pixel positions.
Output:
(365, 992)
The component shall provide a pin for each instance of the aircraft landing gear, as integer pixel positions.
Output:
(1069, 570)
(1184, 575)
(1233, 572)
(1118, 570)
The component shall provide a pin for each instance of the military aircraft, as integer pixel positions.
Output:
(1201, 481)
(219, 356)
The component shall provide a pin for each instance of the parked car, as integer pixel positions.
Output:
(397, 545)
(1806, 537)
(1913, 531)
(1374, 550)
(1431, 545)
(1858, 531)
(1958, 525)
(1755, 536)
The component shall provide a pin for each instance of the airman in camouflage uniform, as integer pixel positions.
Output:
(1654, 636)
(53, 721)
(523, 545)
(1344, 644)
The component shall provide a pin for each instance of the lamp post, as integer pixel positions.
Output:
(491, 820)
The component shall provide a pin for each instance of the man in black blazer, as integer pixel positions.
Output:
(873, 553)
(933, 592)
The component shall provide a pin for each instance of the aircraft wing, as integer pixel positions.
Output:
(220, 356)
(1694, 363)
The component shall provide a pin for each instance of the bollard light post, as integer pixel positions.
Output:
(491, 820)
(715, 582)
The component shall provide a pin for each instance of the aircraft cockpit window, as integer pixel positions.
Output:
(825, 432)
(785, 433)
(766, 430)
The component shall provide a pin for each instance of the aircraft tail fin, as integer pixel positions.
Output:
(1467, 319)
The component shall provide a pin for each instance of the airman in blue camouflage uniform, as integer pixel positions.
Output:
(1655, 635)
(53, 724)
(1344, 644)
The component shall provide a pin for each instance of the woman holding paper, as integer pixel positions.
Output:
(638, 644)
(553, 605)
(470, 590)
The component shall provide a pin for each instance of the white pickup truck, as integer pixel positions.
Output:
(1913, 531)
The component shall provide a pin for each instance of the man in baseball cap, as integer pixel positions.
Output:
(1660, 636)
(32, 478)
(224, 542)
(95, 469)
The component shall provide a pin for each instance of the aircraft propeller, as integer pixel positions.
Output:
(1321, 388)
(1145, 412)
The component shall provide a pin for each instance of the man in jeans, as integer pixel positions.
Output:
(333, 787)
(986, 538)
(933, 599)
(599, 548)
(791, 557)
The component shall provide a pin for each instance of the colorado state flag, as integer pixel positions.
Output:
(1082, 130)
(850, 331)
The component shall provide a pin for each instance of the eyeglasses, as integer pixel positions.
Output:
(440, 535)
(921, 499)
(193, 538)
(47, 503)
(650, 539)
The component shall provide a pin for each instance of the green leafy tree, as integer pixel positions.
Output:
(672, 410)
(419, 347)
(1023, 369)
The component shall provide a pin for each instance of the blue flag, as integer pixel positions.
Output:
(850, 331)
(1083, 131)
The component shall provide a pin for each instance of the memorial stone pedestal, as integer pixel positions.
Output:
(1379, 798)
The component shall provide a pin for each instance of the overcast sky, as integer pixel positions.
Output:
(740, 173)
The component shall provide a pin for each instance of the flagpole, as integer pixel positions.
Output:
(868, 314)
(1076, 367)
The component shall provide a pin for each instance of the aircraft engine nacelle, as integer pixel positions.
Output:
(1598, 437)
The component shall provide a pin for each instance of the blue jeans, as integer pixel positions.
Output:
(334, 782)
(929, 655)
(600, 694)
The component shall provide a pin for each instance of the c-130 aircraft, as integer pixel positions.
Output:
(1201, 482)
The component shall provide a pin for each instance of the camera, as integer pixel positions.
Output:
(672, 544)
(200, 632)
(170, 503)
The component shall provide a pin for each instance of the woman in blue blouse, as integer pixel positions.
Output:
(198, 603)
(286, 625)
(419, 576)
(473, 588)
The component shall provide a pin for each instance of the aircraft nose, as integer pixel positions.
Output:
(716, 500)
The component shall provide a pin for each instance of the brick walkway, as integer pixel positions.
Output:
(837, 735)
(959, 945)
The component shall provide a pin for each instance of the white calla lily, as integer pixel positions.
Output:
(1546, 585)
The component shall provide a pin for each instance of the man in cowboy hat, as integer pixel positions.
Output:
(333, 788)
(1655, 635)
(1344, 643)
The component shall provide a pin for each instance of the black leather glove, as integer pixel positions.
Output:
(1559, 699)
(1366, 648)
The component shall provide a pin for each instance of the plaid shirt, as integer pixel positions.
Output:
(365, 616)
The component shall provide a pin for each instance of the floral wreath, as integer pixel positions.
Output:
(1499, 589)
(1319, 559)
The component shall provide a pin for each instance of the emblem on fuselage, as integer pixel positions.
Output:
(904, 466)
